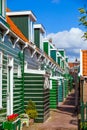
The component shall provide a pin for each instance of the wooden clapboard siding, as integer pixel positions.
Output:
(53, 95)
(34, 90)
(7, 49)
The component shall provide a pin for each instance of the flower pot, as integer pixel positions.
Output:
(31, 121)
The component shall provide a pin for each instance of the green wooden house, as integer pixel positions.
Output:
(11, 68)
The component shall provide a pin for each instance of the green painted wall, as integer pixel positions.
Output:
(34, 90)
(53, 55)
(7, 49)
(45, 47)
(54, 94)
(37, 37)
(22, 23)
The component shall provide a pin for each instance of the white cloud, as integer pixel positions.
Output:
(70, 40)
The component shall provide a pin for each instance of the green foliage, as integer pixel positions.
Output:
(82, 10)
(32, 113)
(2, 111)
(31, 110)
(83, 20)
(31, 105)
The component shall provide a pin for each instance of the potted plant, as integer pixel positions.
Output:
(11, 122)
(31, 111)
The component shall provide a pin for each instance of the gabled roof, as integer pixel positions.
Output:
(15, 29)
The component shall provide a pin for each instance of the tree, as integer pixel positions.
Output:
(83, 20)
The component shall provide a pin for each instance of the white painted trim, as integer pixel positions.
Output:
(50, 84)
(2, 18)
(19, 71)
(39, 58)
(53, 49)
(81, 61)
(3, 8)
(16, 41)
(25, 65)
(45, 40)
(57, 77)
(39, 26)
(1, 80)
(33, 53)
(29, 13)
(35, 71)
(10, 90)
(5, 35)
(61, 49)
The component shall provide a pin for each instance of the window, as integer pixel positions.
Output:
(0, 80)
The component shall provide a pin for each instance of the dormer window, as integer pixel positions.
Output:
(2, 8)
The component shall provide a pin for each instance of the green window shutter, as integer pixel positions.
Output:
(37, 37)
(59, 60)
(53, 55)
(45, 46)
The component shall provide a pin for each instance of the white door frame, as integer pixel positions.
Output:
(10, 86)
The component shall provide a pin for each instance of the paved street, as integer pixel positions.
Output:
(63, 118)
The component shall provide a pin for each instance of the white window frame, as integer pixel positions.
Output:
(1, 80)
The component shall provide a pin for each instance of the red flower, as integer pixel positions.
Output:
(12, 117)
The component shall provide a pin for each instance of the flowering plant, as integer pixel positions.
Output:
(12, 117)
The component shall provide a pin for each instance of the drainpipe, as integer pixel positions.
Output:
(23, 80)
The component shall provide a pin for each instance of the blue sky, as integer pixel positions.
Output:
(60, 19)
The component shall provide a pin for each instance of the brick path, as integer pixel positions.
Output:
(63, 118)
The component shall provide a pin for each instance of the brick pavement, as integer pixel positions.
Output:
(63, 118)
